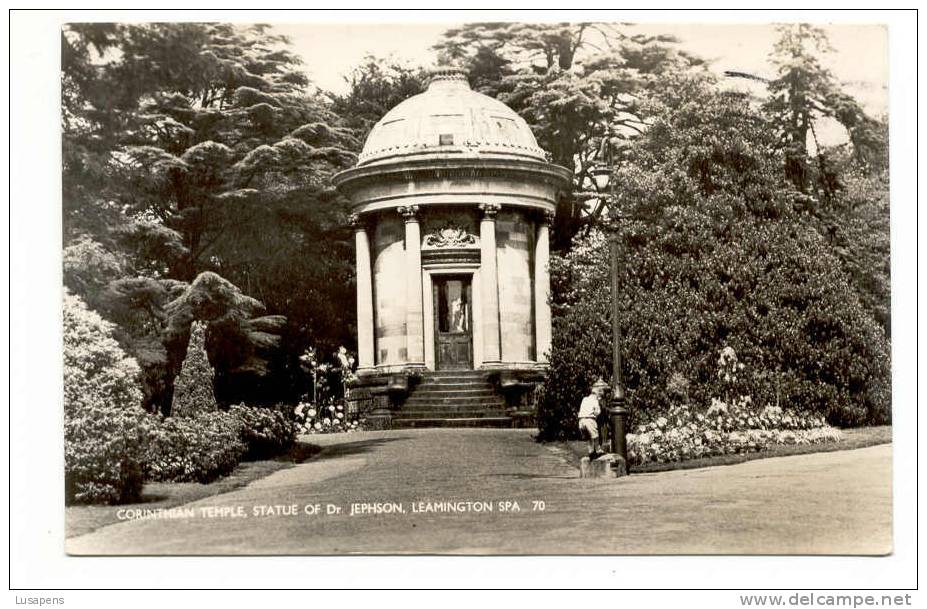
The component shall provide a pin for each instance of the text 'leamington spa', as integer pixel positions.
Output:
(330, 509)
(437, 507)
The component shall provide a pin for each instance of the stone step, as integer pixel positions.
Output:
(452, 406)
(450, 388)
(477, 413)
(406, 423)
(457, 374)
(450, 401)
(466, 391)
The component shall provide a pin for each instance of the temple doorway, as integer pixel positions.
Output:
(453, 311)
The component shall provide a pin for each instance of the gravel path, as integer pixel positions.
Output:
(827, 503)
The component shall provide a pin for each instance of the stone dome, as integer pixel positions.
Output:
(449, 119)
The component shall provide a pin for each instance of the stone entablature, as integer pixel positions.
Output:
(454, 182)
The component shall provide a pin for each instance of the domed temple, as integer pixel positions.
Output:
(452, 200)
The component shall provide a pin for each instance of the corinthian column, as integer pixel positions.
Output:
(542, 325)
(489, 284)
(364, 295)
(415, 328)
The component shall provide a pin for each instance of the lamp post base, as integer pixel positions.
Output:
(618, 424)
(606, 466)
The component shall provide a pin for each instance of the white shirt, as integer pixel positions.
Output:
(589, 407)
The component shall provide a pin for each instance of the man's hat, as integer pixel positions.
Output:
(600, 384)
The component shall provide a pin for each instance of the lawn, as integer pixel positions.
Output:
(859, 437)
(81, 519)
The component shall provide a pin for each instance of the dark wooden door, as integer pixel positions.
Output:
(453, 322)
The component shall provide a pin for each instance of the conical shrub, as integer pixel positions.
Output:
(193, 389)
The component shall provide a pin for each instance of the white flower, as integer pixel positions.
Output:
(310, 414)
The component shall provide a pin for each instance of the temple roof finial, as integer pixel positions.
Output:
(447, 72)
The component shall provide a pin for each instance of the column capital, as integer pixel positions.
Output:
(356, 222)
(490, 210)
(548, 217)
(408, 212)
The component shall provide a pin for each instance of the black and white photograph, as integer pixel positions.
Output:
(573, 285)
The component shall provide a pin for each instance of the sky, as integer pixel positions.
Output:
(859, 60)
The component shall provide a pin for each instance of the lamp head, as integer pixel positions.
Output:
(602, 176)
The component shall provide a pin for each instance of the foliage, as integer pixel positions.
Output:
(265, 431)
(193, 389)
(857, 228)
(192, 148)
(208, 445)
(323, 408)
(723, 428)
(804, 92)
(717, 255)
(111, 444)
(375, 86)
(772, 290)
(96, 370)
(196, 165)
(576, 84)
(103, 419)
(200, 448)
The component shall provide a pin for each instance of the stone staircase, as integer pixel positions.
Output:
(459, 398)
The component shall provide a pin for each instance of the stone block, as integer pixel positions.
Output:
(605, 466)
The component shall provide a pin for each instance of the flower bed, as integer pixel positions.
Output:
(327, 418)
(723, 429)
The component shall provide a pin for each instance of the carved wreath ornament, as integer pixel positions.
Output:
(450, 235)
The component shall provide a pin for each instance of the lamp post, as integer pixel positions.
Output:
(617, 413)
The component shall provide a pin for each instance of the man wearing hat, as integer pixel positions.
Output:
(589, 410)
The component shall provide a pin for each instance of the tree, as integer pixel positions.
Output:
(715, 252)
(576, 85)
(802, 93)
(375, 86)
(846, 186)
(180, 141)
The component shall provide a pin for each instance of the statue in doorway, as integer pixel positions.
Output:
(459, 321)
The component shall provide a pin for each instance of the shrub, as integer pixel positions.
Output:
(207, 446)
(104, 424)
(719, 250)
(264, 431)
(771, 290)
(200, 448)
(193, 390)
